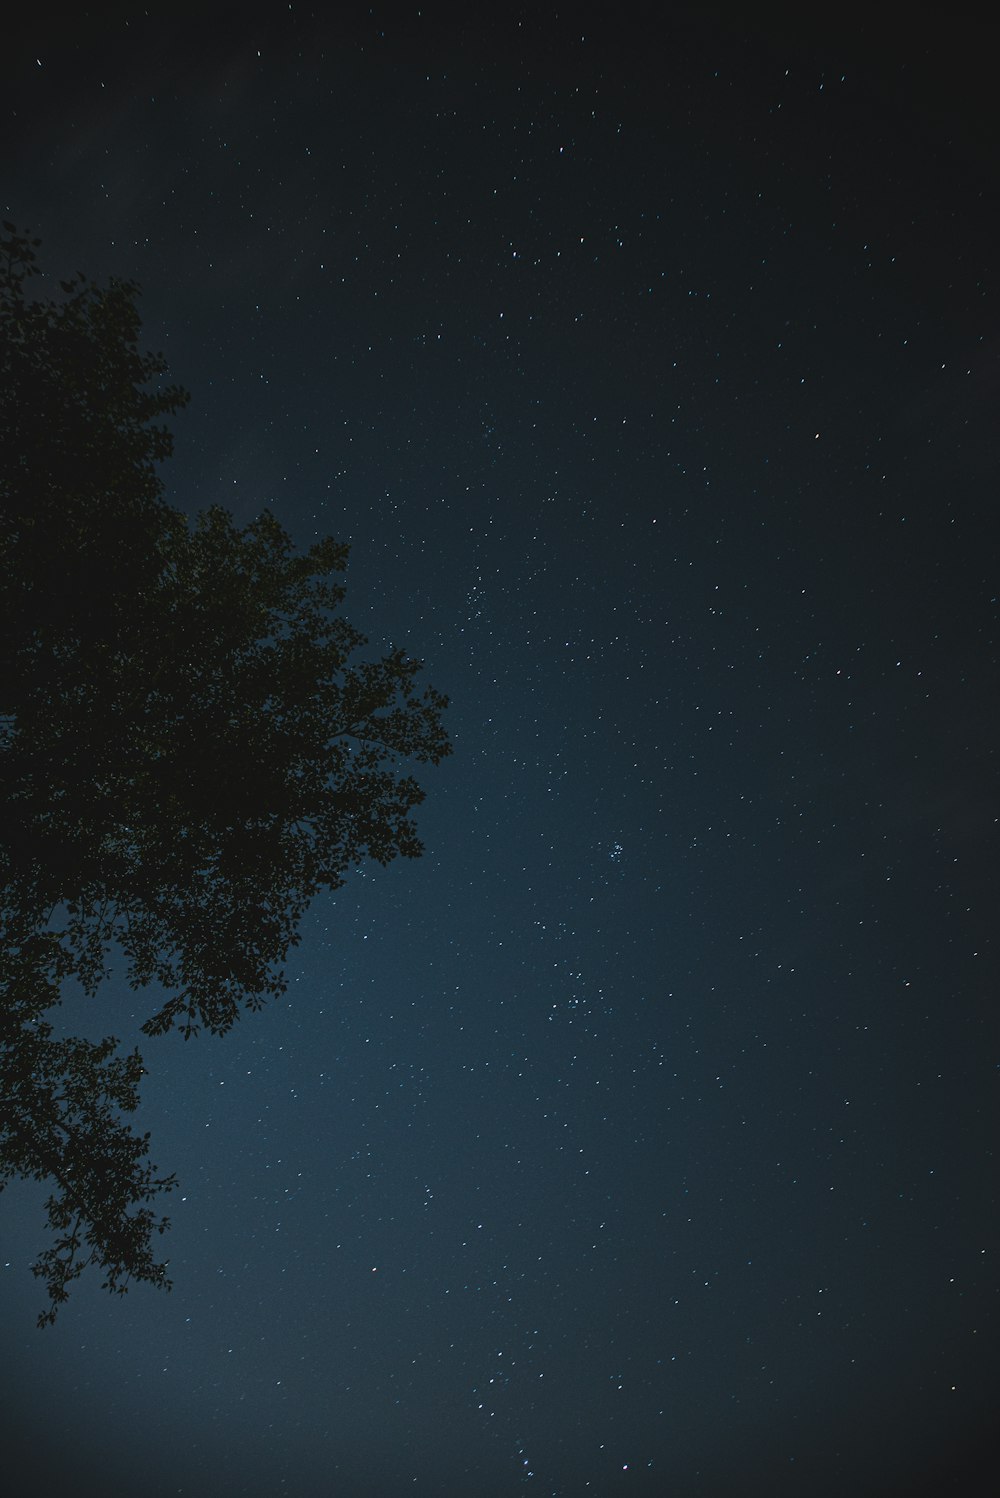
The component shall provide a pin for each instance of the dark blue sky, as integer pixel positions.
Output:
(639, 1138)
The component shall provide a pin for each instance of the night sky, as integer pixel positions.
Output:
(638, 1139)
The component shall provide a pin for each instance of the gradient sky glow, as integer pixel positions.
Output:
(639, 1138)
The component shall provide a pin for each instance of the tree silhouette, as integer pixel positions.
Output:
(190, 750)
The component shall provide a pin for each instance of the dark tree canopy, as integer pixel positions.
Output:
(191, 748)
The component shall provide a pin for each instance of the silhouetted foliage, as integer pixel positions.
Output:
(190, 750)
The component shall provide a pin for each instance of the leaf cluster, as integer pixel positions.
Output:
(61, 1107)
(191, 747)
